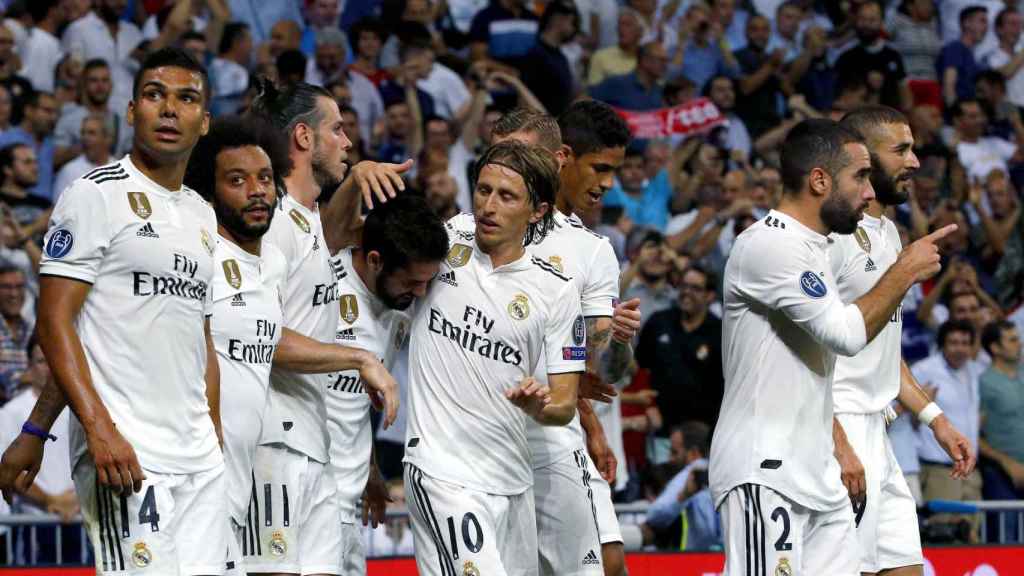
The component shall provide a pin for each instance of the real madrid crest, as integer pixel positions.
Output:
(140, 204)
(862, 239)
(349, 308)
(299, 220)
(207, 240)
(469, 569)
(141, 556)
(783, 568)
(556, 262)
(519, 307)
(232, 274)
(278, 547)
(458, 255)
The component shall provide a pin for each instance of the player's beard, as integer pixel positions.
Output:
(234, 220)
(322, 175)
(838, 215)
(887, 187)
(399, 302)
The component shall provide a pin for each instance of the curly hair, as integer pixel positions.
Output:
(230, 132)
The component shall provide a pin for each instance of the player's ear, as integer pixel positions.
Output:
(375, 261)
(131, 113)
(819, 181)
(302, 136)
(538, 212)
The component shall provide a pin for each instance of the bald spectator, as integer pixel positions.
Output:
(620, 58)
(640, 89)
(94, 140)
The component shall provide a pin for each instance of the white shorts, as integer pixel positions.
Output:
(234, 565)
(567, 535)
(604, 509)
(354, 563)
(887, 525)
(294, 522)
(174, 526)
(767, 533)
(462, 532)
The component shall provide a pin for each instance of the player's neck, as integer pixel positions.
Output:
(250, 245)
(503, 253)
(806, 213)
(875, 209)
(1007, 368)
(302, 186)
(169, 175)
(563, 205)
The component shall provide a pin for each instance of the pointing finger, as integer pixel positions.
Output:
(941, 233)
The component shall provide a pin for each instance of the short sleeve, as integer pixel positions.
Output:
(79, 234)
(602, 283)
(786, 276)
(565, 336)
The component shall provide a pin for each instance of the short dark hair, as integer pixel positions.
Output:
(347, 109)
(175, 58)
(814, 144)
(710, 278)
(290, 62)
(530, 121)
(706, 92)
(864, 120)
(40, 9)
(193, 35)
(1003, 14)
(993, 333)
(950, 326)
(971, 11)
(591, 126)
(558, 7)
(412, 36)
(539, 172)
(289, 106)
(34, 96)
(7, 157)
(94, 64)
(232, 32)
(993, 77)
(404, 230)
(227, 133)
(367, 25)
(958, 106)
(8, 268)
(696, 436)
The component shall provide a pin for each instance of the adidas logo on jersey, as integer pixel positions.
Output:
(870, 266)
(238, 300)
(347, 334)
(147, 231)
(590, 558)
(449, 278)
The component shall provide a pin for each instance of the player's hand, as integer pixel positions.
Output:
(920, 260)
(603, 457)
(592, 387)
(64, 505)
(20, 464)
(852, 472)
(375, 498)
(382, 388)
(626, 320)
(956, 445)
(530, 396)
(116, 463)
(382, 180)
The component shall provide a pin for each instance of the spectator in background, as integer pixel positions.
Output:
(682, 348)
(979, 154)
(95, 139)
(328, 63)
(95, 101)
(683, 516)
(990, 91)
(36, 132)
(1002, 404)
(786, 30)
(504, 31)
(42, 50)
(955, 379)
(284, 35)
(367, 39)
(440, 191)
(722, 92)
(873, 58)
(957, 66)
(545, 69)
(290, 68)
(646, 200)
(812, 72)
(641, 89)
(18, 87)
(20, 172)
(998, 216)
(403, 125)
(6, 108)
(360, 149)
(320, 15)
(417, 60)
(647, 276)
(760, 97)
(598, 27)
(913, 33)
(699, 55)
(15, 331)
(102, 34)
(1006, 58)
(264, 17)
(447, 92)
(620, 58)
(229, 72)
(733, 22)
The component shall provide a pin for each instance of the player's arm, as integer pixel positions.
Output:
(212, 377)
(366, 180)
(305, 355)
(60, 300)
(21, 461)
(914, 398)
(597, 443)
(563, 399)
(849, 464)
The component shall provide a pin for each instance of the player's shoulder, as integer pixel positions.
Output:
(462, 226)
(769, 237)
(108, 178)
(548, 274)
(579, 228)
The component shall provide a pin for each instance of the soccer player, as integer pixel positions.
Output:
(234, 166)
(866, 384)
(400, 252)
(569, 491)
(129, 256)
(477, 337)
(773, 475)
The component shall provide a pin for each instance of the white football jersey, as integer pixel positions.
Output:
(148, 253)
(296, 416)
(246, 327)
(775, 426)
(368, 324)
(479, 332)
(589, 260)
(869, 381)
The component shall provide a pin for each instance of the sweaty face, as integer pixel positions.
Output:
(851, 191)
(400, 287)
(586, 179)
(244, 193)
(168, 113)
(957, 348)
(502, 207)
(893, 164)
(330, 147)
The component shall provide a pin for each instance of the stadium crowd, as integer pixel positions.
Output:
(427, 79)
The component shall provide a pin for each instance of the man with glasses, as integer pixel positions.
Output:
(682, 348)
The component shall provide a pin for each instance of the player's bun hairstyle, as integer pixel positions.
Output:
(227, 133)
(287, 107)
(811, 144)
(174, 58)
(591, 126)
(539, 171)
(864, 120)
(530, 121)
(404, 230)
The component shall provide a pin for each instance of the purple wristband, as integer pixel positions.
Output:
(30, 428)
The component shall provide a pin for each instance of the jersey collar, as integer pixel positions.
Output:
(376, 304)
(483, 261)
(795, 226)
(237, 252)
(133, 170)
(870, 221)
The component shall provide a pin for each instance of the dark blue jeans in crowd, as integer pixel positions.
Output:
(998, 486)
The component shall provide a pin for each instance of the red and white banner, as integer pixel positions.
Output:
(692, 117)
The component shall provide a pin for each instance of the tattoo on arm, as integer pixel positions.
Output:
(618, 362)
(48, 407)
(606, 357)
(597, 342)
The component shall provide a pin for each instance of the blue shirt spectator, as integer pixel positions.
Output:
(956, 60)
(640, 89)
(702, 63)
(36, 131)
(646, 201)
(261, 16)
(505, 30)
